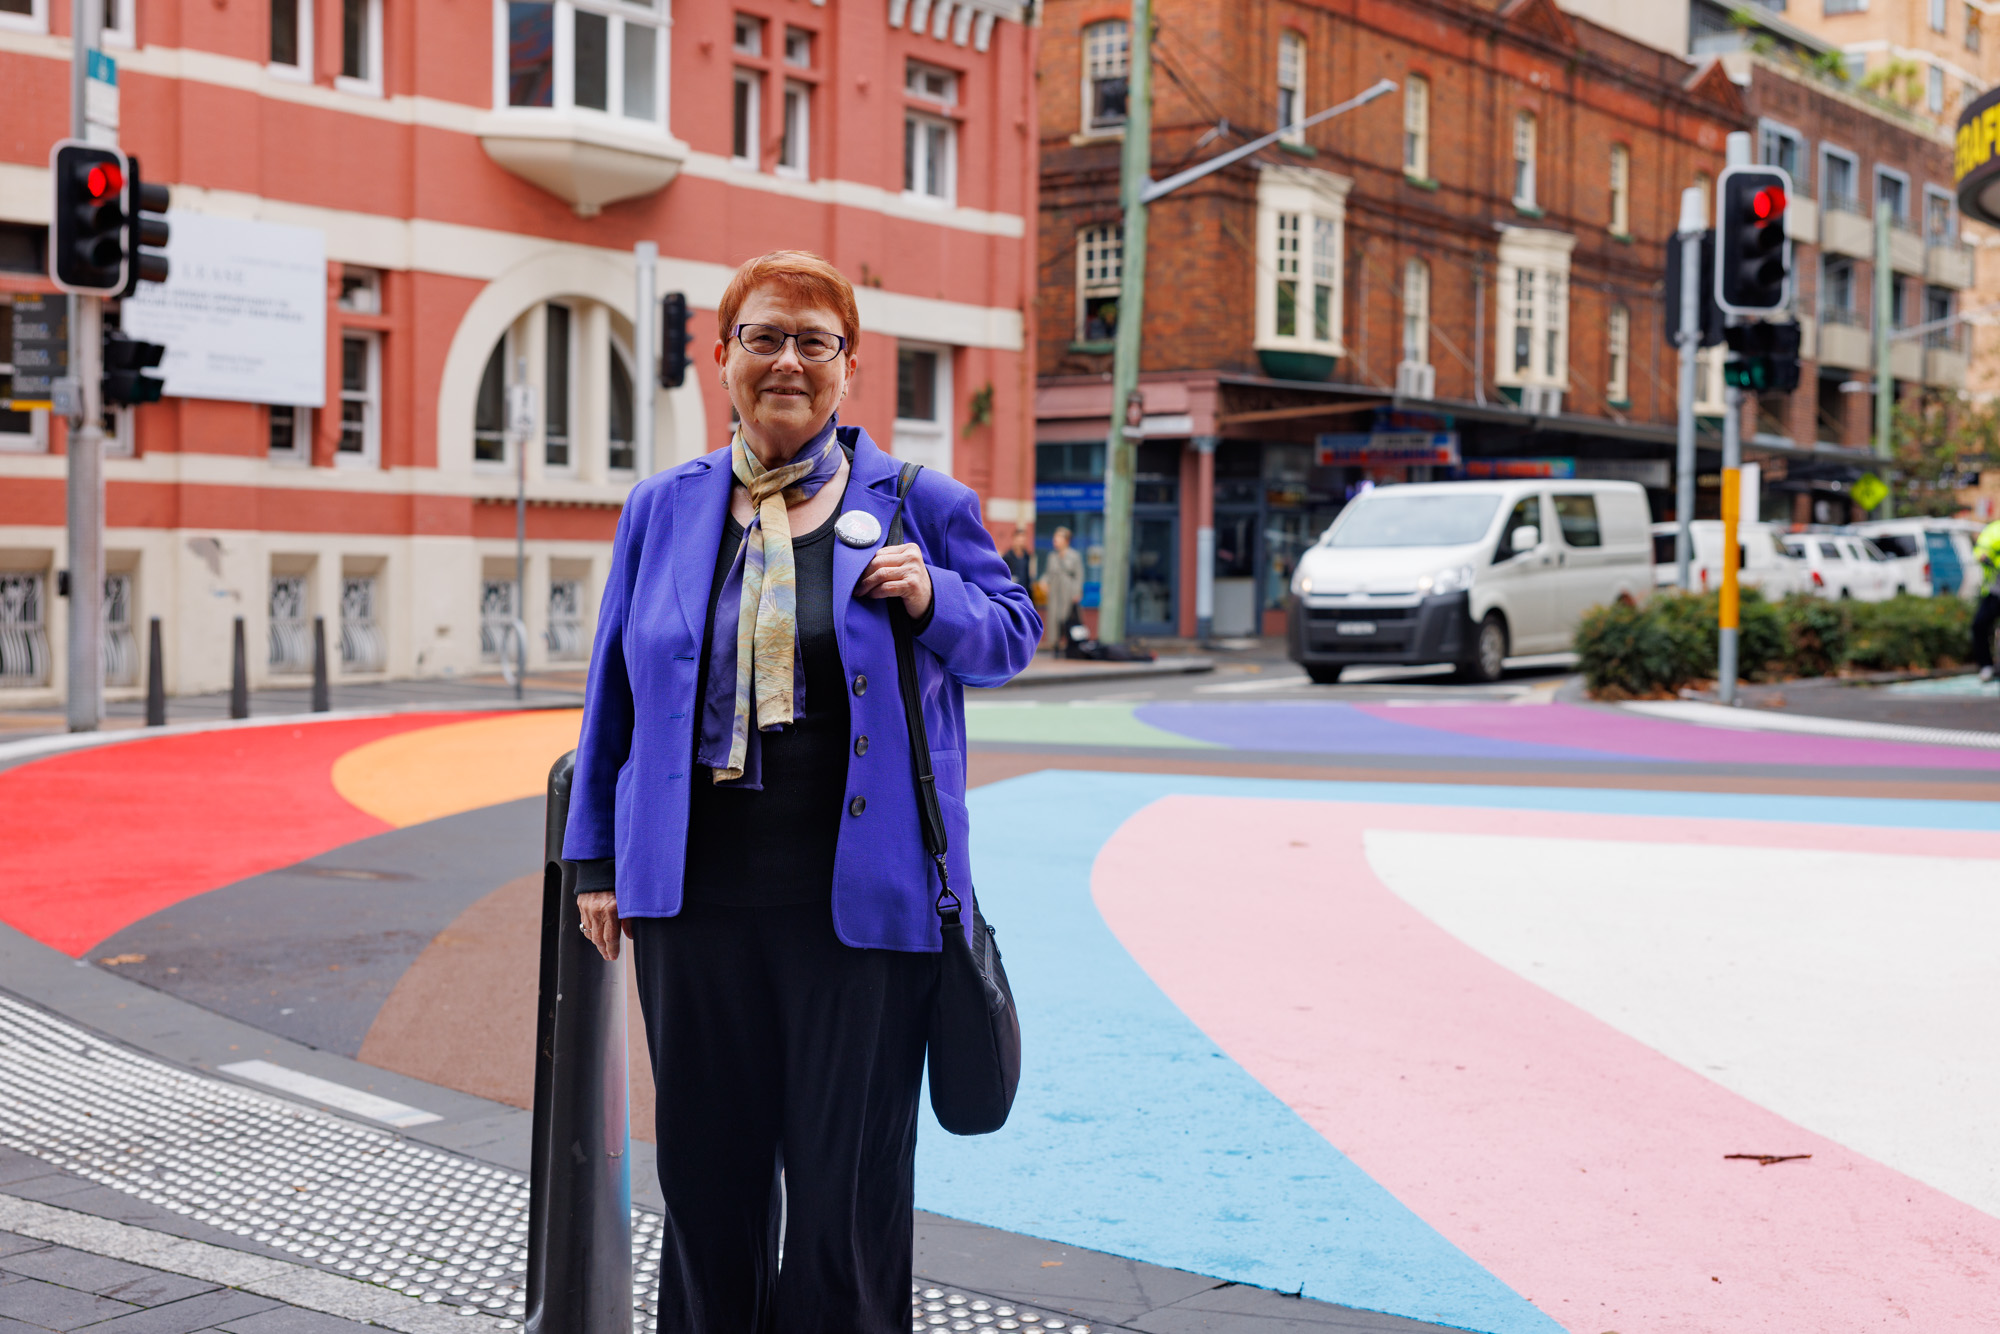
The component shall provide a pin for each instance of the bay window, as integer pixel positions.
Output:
(1301, 220)
(599, 57)
(1532, 340)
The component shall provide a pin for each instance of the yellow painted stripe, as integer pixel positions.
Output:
(428, 774)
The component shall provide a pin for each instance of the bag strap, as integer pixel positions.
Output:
(929, 813)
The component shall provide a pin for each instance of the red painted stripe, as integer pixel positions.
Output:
(99, 838)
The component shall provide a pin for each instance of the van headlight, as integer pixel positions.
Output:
(1451, 579)
(1301, 581)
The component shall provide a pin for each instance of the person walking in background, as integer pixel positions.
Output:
(1987, 549)
(1020, 557)
(1063, 573)
(744, 810)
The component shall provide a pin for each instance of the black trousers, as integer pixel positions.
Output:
(776, 1048)
(1983, 621)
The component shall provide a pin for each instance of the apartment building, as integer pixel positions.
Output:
(452, 195)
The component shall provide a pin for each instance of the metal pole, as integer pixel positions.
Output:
(1885, 382)
(1204, 538)
(646, 378)
(239, 672)
(321, 700)
(156, 676)
(1732, 502)
(1691, 227)
(85, 677)
(521, 549)
(1120, 450)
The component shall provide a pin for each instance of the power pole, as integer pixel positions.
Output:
(1885, 381)
(1121, 454)
(85, 677)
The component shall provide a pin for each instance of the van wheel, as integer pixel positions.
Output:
(1489, 651)
(1323, 674)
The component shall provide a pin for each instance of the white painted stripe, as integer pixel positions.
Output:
(1250, 687)
(358, 1101)
(294, 1284)
(1765, 720)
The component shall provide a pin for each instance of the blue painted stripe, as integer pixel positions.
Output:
(1342, 729)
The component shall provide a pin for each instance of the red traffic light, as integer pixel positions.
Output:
(1768, 203)
(104, 180)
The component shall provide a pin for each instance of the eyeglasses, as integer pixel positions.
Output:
(768, 340)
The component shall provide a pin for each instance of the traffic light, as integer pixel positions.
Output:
(144, 227)
(87, 254)
(1766, 360)
(1707, 318)
(125, 361)
(1753, 270)
(674, 340)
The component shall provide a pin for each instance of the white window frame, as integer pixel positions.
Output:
(1102, 61)
(796, 142)
(1934, 88)
(751, 158)
(1832, 152)
(1532, 292)
(1291, 79)
(36, 20)
(125, 32)
(1417, 128)
(919, 188)
(1901, 177)
(1416, 334)
(370, 83)
(301, 450)
(1855, 312)
(1312, 197)
(1939, 195)
(1768, 132)
(753, 26)
(1621, 190)
(302, 70)
(1100, 268)
(804, 35)
(370, 397)
(928, 442)
(626, 16)
(1618, 361)
(1527, 131)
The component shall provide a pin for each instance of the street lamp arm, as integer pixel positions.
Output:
(1156, 189)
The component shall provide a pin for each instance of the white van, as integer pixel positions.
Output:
(1466, 573)
(1764, 562)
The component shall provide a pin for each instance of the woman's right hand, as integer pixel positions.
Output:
(599, 909)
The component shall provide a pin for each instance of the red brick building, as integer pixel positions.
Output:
(465, 184)
(1471, 264)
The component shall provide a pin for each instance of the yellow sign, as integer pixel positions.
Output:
(1869, 490)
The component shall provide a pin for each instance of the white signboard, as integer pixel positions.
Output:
(242, 313)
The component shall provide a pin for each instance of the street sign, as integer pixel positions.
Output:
(41, 349)
(521, 411)
(1868, 490)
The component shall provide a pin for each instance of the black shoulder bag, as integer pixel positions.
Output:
(975, 1037)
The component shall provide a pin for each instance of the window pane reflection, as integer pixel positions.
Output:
(531, 53)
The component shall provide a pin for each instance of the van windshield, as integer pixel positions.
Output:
(1428, 519)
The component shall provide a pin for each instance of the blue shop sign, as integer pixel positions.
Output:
(1069, 498)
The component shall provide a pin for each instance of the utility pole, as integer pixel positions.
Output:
(85, 677)
(1689, 238)
(1885, 381)
(1121, 454)
(645, 259)
(1136, 191)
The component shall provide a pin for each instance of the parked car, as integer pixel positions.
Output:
(1843, 566)
(1465, 573)
(1924, 553)
(1761, 557)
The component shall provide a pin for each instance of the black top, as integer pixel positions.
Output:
(775, 846)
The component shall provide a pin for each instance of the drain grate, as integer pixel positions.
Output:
(357, 1200)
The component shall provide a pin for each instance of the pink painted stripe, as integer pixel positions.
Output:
(1583, 1169)
(1656, 738)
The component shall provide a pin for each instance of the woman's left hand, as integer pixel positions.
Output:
(899, 572)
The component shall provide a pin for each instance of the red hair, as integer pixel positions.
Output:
(799, 274)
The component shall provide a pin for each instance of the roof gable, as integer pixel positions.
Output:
(1540, 17)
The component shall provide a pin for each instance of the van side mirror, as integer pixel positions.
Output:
(1526, 538)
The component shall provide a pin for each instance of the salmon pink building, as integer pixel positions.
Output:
(388, 213)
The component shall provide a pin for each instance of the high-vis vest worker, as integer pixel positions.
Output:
(1987, 549)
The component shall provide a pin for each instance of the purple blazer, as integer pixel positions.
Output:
(635, 762)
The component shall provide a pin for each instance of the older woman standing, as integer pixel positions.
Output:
(1063, 575)
(743, 809)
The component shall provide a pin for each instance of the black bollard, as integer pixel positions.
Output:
(156, 677)
(239, 676)
(319, 703)
(580, 1181)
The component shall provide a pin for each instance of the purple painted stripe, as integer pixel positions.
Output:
(1344, 729)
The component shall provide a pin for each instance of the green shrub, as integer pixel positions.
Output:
(1815, 635)
(1625, 650)
(1909, 632)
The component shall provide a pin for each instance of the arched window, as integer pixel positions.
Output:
(489, 412)
(1524, 159)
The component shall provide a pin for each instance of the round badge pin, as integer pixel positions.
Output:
(858, 528)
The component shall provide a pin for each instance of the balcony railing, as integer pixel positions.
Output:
(1846, 316)
(1842, 203)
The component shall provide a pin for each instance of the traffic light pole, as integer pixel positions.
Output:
(645, 383)
(1121, 453)
(1885, 382)
(1727, 607)
(1691, 228)
(84, 678)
